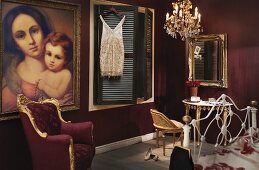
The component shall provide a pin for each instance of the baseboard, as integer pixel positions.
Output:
(124, 143)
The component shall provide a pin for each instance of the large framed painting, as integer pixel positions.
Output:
(40, 50)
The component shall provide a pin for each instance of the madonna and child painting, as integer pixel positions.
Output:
(38, 58)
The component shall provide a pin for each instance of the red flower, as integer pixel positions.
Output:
(193, 83)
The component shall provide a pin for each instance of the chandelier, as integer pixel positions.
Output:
(182, 21)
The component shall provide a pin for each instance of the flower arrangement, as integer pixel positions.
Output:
(193, 83)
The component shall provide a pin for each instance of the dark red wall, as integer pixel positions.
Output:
(110, 125)
(241, 24)
(218, 16)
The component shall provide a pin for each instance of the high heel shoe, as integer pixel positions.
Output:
(148, 154)
(154, 157)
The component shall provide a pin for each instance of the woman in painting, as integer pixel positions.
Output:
(24, 29)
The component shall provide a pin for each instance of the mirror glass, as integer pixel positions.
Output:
(208, 59)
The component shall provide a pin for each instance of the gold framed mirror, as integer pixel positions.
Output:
(207, 59)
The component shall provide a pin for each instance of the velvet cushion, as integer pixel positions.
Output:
(83, 155)
(46, 117)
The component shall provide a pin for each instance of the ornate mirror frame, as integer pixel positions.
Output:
(196, 52)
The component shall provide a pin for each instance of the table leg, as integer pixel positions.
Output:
(198, 115)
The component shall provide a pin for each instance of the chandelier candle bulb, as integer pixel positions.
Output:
(196, 12)
(176, 8)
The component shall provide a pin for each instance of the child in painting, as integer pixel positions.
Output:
(56, 80)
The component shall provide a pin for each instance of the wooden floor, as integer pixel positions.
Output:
(132, 158)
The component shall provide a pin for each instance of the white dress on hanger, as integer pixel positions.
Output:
(112, 50)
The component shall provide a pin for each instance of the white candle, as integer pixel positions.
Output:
(196, 12)
(176, 8)
(167, 16)
(199, 17)
(180, 13)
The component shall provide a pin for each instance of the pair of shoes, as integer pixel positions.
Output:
(150, 155)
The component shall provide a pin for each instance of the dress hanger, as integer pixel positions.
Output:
(112, 10)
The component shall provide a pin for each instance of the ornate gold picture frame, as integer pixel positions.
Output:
(40, 53)
(207, 59)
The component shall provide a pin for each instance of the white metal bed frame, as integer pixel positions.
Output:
(248, 125)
